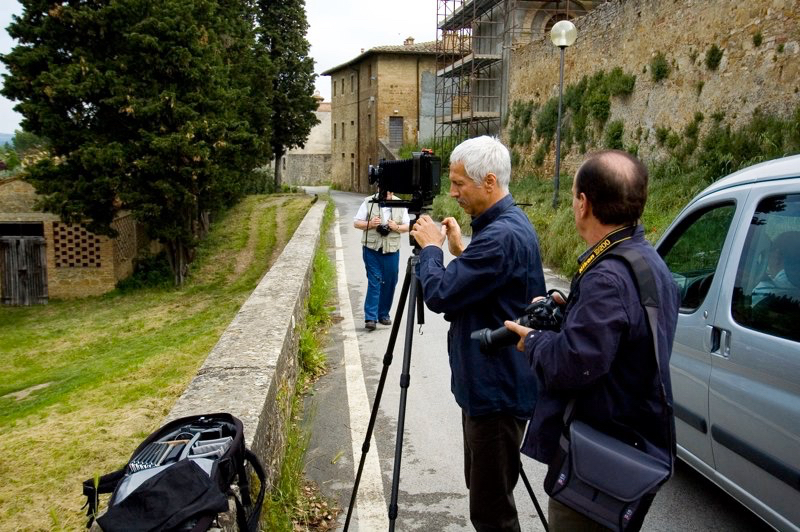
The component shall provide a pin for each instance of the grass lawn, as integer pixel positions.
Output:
(82, 382)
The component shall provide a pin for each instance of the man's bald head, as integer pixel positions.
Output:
(615, 183)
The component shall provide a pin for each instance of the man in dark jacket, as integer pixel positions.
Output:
(603, 356)
(490, 280)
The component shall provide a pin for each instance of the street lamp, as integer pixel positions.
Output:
(562, 35)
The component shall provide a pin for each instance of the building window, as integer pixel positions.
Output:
(352, 83)
(343, 86)
(343, 132)
(352, 171)
(369, 120)
(334, 129)
(369, 74)
(284, 163)
(334, 88)
(342, 155)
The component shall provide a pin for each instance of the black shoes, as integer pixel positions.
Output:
(369, 325)
(385, 321)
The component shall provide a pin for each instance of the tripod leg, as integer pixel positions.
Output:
(387, 361)
(405, 379)
(533, 496)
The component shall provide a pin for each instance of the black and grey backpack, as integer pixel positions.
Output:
(180, 478)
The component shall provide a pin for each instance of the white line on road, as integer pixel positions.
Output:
(370, 502)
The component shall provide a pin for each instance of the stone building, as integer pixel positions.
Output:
(311, 164)
(380, 100)
(41, 257)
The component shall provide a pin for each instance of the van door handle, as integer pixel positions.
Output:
(720, 342)
(715, 337)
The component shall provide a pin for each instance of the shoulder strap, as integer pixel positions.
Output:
(250, 523)
(648, 296)
(105, 484)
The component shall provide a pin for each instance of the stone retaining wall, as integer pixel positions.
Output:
(754, 73)
(252, 370)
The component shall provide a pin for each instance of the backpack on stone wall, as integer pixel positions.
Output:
(180, 478)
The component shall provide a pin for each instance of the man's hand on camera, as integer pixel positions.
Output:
(521, 330)
(374, 222)
(427, 233)
(556, 297)
(453, 233)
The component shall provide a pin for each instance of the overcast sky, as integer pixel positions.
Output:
(338, 30)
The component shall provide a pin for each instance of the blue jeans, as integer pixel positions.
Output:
(382, 278)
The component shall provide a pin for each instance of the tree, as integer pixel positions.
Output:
(282, 30)
(145, 105)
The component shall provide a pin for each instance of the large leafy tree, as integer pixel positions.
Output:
(145, 105)
(282, 29)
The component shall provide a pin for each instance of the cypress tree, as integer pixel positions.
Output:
(282, 30)
(145, 106)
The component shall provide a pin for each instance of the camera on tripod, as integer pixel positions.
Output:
(419, 176)
(544, 314)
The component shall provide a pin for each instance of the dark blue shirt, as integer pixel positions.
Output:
(493, 280)
(603, 356)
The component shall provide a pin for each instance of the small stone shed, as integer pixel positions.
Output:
(41, 257)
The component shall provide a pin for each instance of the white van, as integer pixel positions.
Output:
(735, 253)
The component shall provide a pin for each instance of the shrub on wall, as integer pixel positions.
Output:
(757, 39)
(520, 117)
(713, 57)
(546, 120)
(614, 134)
(659, 67)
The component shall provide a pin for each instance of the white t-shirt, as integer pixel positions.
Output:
(368, 209)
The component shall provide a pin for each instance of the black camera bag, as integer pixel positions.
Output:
(181, 486)
(611, 481)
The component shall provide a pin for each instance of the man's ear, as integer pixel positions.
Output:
(490, 181)
(584, 207)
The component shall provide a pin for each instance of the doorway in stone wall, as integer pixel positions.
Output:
(395, 131)
(23, 264)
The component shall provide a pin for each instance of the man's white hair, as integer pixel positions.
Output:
(481, 156)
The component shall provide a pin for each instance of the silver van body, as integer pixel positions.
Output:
(734, 251)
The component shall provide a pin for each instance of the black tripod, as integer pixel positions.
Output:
(412, 290)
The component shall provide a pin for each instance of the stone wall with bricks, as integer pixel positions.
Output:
(79, 262)
(759, 69)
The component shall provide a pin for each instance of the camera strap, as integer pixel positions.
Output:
(599, 250)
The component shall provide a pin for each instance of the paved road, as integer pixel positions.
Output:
(431, 495)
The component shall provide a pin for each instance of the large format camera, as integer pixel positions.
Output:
(418, 176)
(544, 314)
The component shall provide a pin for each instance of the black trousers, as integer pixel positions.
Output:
(491, 469)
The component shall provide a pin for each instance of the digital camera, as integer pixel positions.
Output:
(544, 314)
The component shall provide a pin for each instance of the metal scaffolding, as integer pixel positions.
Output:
(469, 49)
(474, 41)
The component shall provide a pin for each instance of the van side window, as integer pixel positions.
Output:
(766, 296)
(693, 252)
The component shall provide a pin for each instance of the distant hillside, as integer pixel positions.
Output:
(5, 138)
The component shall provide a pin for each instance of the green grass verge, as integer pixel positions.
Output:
(101, 373)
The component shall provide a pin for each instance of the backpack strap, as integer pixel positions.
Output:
(245, 522)
(251, 522)
(105, 484)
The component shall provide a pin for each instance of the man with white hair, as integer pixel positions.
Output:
(490, 280)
